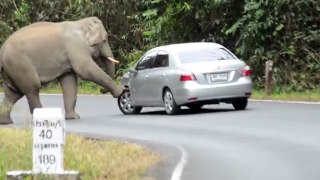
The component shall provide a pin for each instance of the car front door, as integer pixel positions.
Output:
(139, 80)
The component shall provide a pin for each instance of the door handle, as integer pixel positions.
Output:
(163, 75)
(147, 76)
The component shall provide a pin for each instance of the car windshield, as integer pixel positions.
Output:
(204, 55)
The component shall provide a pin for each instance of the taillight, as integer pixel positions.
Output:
(246, 71)
(187, 77)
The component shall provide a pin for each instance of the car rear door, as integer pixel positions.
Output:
(158, 77)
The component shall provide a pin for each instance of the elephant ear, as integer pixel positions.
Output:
(93, 30)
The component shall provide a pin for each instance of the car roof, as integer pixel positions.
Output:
(185, 46)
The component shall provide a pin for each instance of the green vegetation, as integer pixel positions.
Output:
(84, 87)
(288, 96)
(285, 31)
(93, 89)
(94, 159)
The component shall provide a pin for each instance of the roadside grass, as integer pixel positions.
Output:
(313, 96)
(95, 159)
(86, 87)
(83, 88)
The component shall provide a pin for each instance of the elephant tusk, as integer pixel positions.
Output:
(113, 60)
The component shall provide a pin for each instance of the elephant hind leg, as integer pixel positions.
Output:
(10, 98)
(26, 79)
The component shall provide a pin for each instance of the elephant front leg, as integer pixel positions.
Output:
(69, 88)
(90, 71)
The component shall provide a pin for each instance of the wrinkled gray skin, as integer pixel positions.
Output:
(43, 52)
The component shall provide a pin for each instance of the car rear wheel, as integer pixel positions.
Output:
(240, 103)
(169, 104)
(125, 104)
(195, 106)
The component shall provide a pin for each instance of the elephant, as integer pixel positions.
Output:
(42, 52)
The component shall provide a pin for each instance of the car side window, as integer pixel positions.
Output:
(161, 60)
(147, 61)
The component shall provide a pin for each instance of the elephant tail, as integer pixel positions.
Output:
(0, 66)
(1, 54)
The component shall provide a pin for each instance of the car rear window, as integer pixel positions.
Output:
(204, 55)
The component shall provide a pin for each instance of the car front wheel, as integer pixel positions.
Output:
(240, 103)
(125, 104)
(169, 104)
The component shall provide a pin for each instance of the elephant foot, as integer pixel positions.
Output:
(118, 92)
(5, 120)
(72, 115)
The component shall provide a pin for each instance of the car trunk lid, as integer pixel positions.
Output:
(220, 71)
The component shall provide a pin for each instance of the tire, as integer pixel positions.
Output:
(124, 104)
(240, 103)
(195, 106)
(169, 103)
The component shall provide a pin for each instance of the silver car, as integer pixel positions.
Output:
(187, 74)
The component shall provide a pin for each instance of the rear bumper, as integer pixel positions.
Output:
(194, 92)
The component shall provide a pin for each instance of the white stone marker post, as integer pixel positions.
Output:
(48, 140)
(48, 143)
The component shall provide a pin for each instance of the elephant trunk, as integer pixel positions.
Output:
(110, 61)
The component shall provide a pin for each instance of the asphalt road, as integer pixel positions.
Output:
(268, 141)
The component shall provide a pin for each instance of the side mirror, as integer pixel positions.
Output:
(133, 70)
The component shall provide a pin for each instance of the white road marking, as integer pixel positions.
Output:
(176, 174)
(288, 102)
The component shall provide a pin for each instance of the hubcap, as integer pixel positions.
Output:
(125, 102)
(168, 101)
